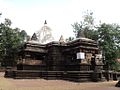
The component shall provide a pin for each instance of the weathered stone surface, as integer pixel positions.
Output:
(118, 84)
(57, 60)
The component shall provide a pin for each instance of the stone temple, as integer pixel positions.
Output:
(77, 60)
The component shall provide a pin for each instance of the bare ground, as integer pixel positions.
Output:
(41, 84)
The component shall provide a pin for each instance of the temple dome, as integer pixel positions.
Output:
(44, 35)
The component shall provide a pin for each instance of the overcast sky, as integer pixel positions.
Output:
(60, 14)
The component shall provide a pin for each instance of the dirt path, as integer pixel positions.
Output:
(41, 84)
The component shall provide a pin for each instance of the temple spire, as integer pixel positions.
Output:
(34, 37)
(45, 22)
(45, 34)
(61, 39)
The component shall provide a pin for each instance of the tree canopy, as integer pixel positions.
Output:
(86, 26)
(10, 40)
(109, 39)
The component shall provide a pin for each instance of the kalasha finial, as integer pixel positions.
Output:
(45, 22)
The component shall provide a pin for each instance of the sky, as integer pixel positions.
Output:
(29, 15)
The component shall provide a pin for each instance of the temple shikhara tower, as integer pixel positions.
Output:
(44, 35)
(77, 60)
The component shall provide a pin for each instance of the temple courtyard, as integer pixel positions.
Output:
(41, 84)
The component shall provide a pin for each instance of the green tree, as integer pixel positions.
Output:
(10, 40)
(70, 39)
(86, 27)
(109, 39)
